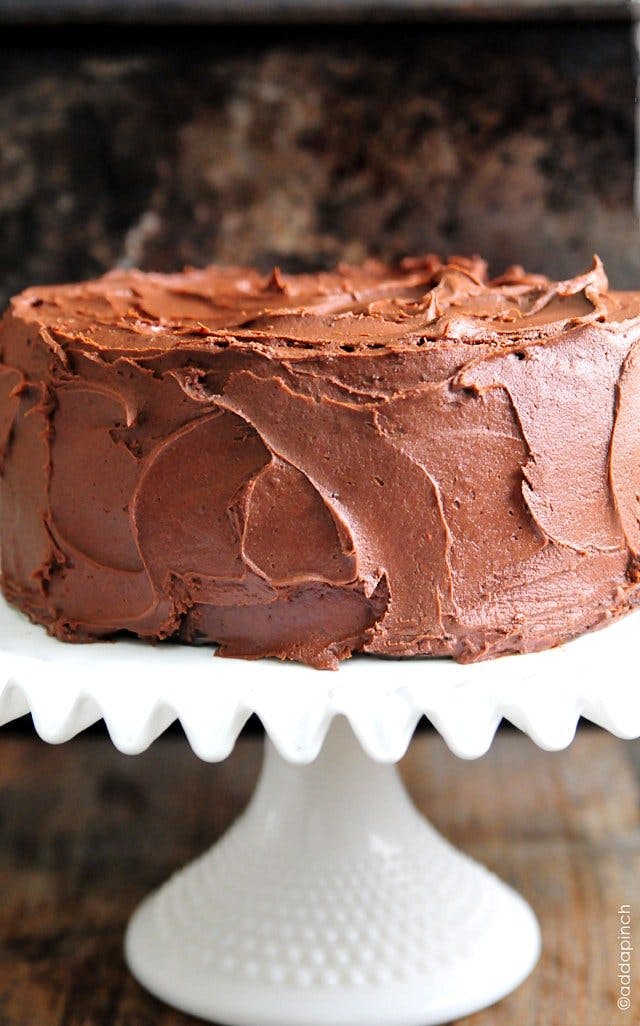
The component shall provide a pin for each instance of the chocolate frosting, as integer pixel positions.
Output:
(402, 460)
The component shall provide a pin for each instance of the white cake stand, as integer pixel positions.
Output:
(330, 900)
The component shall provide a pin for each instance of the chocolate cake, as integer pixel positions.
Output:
(401, 460)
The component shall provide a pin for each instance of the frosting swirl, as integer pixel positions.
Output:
(403, 460)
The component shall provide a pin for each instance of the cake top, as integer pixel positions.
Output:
(374, 306)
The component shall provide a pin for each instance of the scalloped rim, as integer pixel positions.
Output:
(139, 689)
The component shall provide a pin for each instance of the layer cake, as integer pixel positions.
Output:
(401, 460)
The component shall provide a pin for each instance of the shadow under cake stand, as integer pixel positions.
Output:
(331, 900)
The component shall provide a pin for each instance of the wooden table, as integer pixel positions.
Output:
(86, 832)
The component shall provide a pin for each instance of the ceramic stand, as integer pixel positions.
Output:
(332, 901)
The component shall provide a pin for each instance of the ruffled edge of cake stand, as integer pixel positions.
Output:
(139, 690)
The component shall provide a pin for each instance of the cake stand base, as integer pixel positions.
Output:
(332, 901)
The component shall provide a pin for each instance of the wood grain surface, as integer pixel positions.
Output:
(86, 832)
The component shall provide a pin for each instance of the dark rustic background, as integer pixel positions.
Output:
(160, 146)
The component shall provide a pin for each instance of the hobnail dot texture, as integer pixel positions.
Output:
(374, 920)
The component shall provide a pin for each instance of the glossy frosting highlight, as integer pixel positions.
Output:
(402, 460)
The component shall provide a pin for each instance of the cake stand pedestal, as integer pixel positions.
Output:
(330, 900)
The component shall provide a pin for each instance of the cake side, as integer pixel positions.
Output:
(408, 460)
